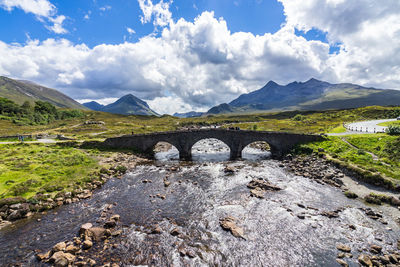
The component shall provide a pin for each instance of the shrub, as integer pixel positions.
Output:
(350, 194)
(121, 169)
(393, 130)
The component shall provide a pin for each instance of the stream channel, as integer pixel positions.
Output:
(200, 194)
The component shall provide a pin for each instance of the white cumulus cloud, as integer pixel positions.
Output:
(159, 12)
(201, 63)
(41, 9)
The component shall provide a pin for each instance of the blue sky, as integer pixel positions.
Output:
(186, 55)
(106, 20)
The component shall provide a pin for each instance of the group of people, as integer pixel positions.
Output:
(21, 138)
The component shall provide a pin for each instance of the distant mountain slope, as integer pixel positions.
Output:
(190, 114)
(21, 91)
(93, 105)
(310, 95)
(126, 105)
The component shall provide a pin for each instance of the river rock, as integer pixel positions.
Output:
(342, 262)
(87, 244)
(43, 256)
(85, 194)
(257, 192)
(110, 224)
(85, 227)
(259, 183)
(365, 260)
(62, 259)
(395, 201)
(96, 233)
(229, 170)
(59, 247)
(11, 200)
(175, 232)
(156, 230)
(343, 248)
(115, 217)
(91, 262)
(71, 249)
(228, 224)
(375, 249)
(330, 214)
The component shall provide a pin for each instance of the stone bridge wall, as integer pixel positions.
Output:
(236, 140)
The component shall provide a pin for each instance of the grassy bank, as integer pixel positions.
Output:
(385, 169)
(27, 169)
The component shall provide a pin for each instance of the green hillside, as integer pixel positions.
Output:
(21, 91)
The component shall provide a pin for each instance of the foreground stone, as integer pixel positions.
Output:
(343, 248)
(228, 224)
(264, 185)
(364, 260)
(62, 259)
(72, 253)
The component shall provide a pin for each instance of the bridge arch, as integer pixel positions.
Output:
(219, 151)
(256, 148)
(163, 150)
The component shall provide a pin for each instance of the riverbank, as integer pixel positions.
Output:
(108, 165)
(318, 168)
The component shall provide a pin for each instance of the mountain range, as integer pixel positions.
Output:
(126, 105)
(310, 95)
(21, 91)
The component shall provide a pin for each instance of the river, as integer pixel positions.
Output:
(284, 229)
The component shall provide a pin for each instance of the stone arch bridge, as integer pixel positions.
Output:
(279, 142)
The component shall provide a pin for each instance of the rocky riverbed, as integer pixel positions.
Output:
(255, 212)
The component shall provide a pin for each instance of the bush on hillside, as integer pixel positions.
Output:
(40, 114)
(393, 130)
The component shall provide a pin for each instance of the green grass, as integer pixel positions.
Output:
(15, 139)
(397, 123)
(115, 125)
(379, 144)
(26, 169)
(339, 129)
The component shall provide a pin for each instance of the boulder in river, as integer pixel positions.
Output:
(85, 227)
(375, 249)
(343, 248)
(87, 244)
(228, 224)
(62, 259)
(260, 183)
(342, 262)
(59, 247)
(96, 233)
(229, 170)
(257, 192)
(365, 260)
